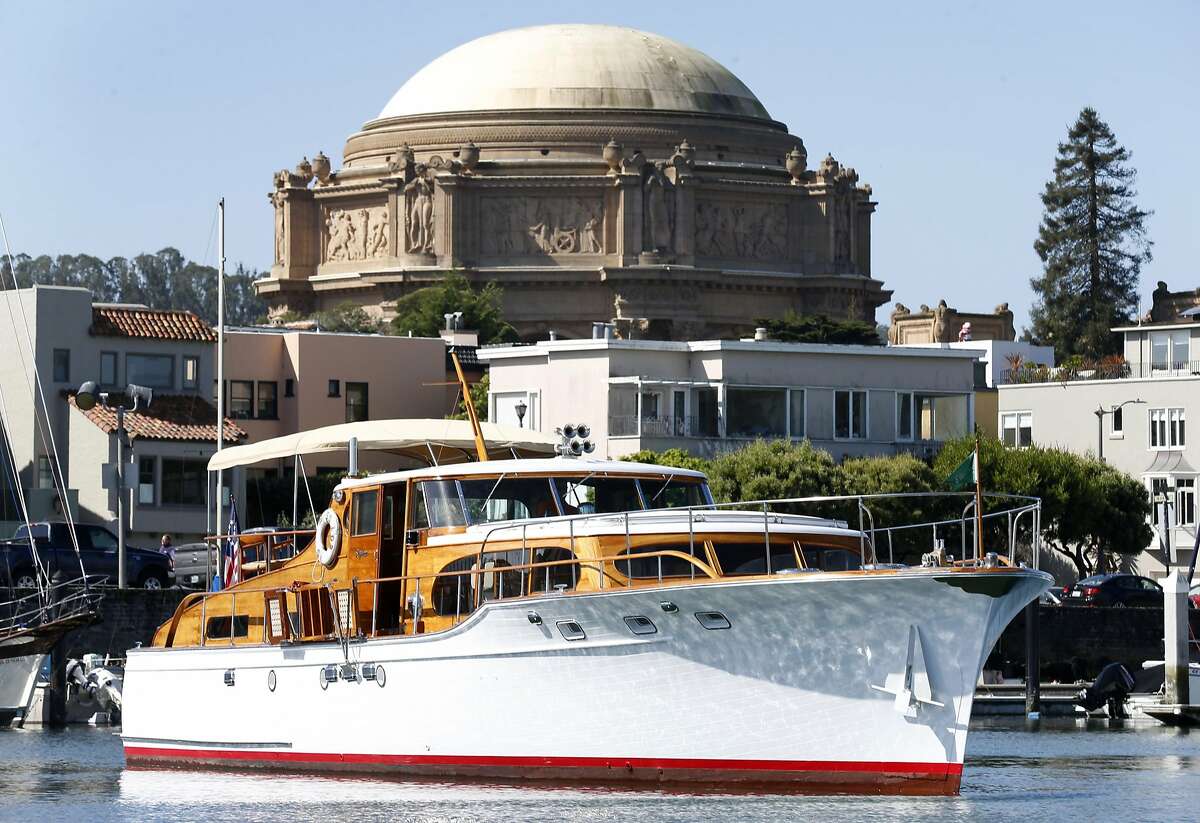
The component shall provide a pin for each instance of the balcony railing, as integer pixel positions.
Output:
(1030, 373)
(626, 425)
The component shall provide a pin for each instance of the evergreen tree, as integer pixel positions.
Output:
(817, 328)
(423, 311)
(1092, 242)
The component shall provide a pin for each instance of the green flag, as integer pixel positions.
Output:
(965, 475)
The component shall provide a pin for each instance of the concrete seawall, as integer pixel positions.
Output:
(127, 617)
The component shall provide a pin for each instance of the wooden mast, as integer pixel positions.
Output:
(480, 445)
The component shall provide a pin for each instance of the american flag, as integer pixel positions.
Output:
(233, 554)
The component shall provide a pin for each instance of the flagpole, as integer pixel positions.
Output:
(220, 369)
(978, 502)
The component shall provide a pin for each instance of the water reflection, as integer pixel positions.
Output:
(1131, 771)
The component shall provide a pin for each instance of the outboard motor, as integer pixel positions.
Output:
(99, 683)
(1112, 686)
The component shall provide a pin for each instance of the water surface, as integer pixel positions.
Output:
(1063, 769)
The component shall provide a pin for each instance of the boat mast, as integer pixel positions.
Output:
(220, 355)
(978, 502)
(469, 405)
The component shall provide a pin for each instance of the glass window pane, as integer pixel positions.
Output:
(1159, 354)
(841, 414)
(191, 372)
(108, 368)
(796, 410)
(439, 505)
(859, 415)
(62, 365)
(183, 481)
(904, 416)
(490, 499)
(154, 370)
(268, 400)
(241, 399)
(365, 504)
(146, 481)
(356, 402)
(756, 412)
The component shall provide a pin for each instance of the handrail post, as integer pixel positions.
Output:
(862, 546)
(232, 614)
(203, 621)
(691, 540)
(767, 537)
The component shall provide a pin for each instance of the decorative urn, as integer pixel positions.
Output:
(468, 156)
(797, 161)
(612, 156)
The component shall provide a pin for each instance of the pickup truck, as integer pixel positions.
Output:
(97, 547)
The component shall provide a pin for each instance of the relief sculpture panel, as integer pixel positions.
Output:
(356, 234)
(754, 231)
(531, 226)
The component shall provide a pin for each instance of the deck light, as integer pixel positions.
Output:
(534, 618)
(668, 607)
(229, 677)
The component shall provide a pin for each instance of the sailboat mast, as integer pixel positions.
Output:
(220, 353)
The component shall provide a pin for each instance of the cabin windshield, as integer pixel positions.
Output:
(471, 501)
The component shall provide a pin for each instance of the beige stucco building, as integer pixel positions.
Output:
(595, 172)
(715, 395)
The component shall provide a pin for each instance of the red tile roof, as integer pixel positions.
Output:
(170, 417)
(127, 321)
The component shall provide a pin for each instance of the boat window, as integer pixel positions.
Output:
(438, 504)
(490, 499)
(549, 578)
(831, 559)
(498, 581)
(598, 495)
(219, 627)
(674, 492)
(647, 568)
(365, 504)
(452, 592)
(750, 557)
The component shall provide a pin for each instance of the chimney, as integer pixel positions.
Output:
(760, 334)
(597, 331)
(553, 334)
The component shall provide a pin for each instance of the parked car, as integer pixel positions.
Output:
(1113, 590)
(145, 568)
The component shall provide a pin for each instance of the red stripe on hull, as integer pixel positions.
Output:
(811, 775)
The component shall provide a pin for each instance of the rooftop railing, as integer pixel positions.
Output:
(1032, 373)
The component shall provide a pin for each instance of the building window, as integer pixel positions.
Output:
(1118, 422)
(62, 365)
(1169, 350)
(146, 481)
(183, 481)
(154, 370)
(356, 402)
(649, 405)
(289, 388)
(45, 474)
(268, 400)
(1185, 501)
(1158, 495)
(904, 415)
(1016, 429)
(241, 399)
(756, 412)
(1167, 429)
(335, 388)
(108, 368)
(191, 372)
(850, 415)
(797, 414)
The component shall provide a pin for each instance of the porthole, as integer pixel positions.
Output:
(570, 630)
(380, 676)
(713, 620)
(641, 625)
(271, 680)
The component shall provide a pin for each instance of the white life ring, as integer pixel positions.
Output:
(329, 538)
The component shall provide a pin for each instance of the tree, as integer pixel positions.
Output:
(423, 311)
(1092, 242)
(892, 474)
(768, 469)
(1090, 511)
(479, 399)
(676, 458)
(817, 328)
(346, 317)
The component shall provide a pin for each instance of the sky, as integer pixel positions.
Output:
(124, 122)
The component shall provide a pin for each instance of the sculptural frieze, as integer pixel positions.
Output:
(356, 234)
(657, 209)
(280, 228)
(755, 231)
(524, 226)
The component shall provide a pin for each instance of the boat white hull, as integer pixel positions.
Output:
(794, 690)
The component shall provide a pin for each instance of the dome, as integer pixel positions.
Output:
(577, 67)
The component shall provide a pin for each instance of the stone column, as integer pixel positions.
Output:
(453, 221)
(302, 234)
(685, 219)
(629, 218)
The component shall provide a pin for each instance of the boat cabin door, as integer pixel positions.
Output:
(391, 557)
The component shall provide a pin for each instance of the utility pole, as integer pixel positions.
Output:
(122, 582)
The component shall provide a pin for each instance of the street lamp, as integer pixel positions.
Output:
(1100, 413)
(521, 408)
(85, 400)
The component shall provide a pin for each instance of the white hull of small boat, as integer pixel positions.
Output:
(854, 681)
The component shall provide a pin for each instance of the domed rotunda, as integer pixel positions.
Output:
(596, 173)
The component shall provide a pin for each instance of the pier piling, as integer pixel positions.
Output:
(1033, 663)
